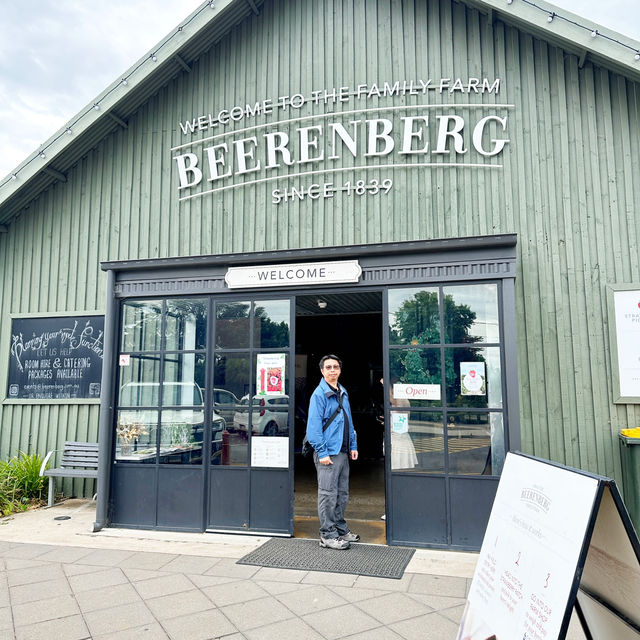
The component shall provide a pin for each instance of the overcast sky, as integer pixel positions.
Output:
(57, 55)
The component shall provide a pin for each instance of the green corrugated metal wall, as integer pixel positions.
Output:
(569, 189)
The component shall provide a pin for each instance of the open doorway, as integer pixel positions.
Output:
(350, 326)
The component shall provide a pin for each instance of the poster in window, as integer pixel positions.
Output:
(399, 422)
(56, 358)
(472, 379)
(270, 374)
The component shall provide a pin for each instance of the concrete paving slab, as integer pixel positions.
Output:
(26, 552)
(190, 564)
(311, 600)
(19, 563)
(227, 568)
(384, 584)
(39, 528)
(163, 586)
(295, 629)
(271, 574)
(333, 579)
(278, 588)
(179, 604)
(437, 603)
(136, 575)
(151, 631)
(199, 626)
(147, 560)
(234, 592)
(29, 592)
(444, 563)
(356, 594)
(64, 554)
(106, 557)
(80, 569)
(6, 618)
(70, 628)
(431, 626)
(127, 616)
(256, 613)
(107, 597)
(97, 579)
(454, 613)
(33, 575)
(393, 607)
(340, 622)
(381, 633)
(209, 581)
(45, 609)
(439, 585)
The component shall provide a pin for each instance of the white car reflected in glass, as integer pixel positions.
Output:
(270, 415)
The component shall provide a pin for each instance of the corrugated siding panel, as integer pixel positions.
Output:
(569, 187)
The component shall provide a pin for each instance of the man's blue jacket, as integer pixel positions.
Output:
(324, 402)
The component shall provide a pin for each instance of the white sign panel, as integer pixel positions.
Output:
(417, 391)
(627, 318)
(269, 452)
(529, 556)
(288, 275)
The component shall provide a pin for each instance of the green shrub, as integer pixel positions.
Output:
(26, 471)
(20, 483)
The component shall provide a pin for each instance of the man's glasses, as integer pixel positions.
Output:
(332, 366)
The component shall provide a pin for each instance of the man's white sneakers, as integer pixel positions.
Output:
(350, 536)
(334, 543)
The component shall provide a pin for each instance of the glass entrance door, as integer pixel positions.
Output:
(203, 415)
(249, 483)
(158, 472)
(444, 411)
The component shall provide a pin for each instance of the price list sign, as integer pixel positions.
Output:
(528, 564)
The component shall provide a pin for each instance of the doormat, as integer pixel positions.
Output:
(373, 560)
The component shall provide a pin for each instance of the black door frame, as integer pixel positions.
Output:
(484, 493)
(399, 263)
(252, 296)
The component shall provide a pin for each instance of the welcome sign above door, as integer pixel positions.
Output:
(288, 275)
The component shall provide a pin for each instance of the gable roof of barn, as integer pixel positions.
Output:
(210, 23)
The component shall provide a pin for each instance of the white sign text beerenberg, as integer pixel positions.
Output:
(355, 136)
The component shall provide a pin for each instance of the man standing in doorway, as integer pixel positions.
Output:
(331, 434)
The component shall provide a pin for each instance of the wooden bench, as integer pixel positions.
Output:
(79, 460)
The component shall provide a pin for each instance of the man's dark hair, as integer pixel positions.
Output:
(329, 357)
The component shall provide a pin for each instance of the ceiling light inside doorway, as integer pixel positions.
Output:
(322, 304)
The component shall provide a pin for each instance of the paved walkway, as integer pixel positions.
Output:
(58, 580)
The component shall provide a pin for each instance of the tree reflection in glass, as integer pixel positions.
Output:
(271, 323)
(141, 322)
(232, 325)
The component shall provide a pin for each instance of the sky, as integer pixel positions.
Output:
(57, 55)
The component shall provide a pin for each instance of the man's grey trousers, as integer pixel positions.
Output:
(333, 495)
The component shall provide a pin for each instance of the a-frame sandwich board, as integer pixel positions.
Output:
(558, 539)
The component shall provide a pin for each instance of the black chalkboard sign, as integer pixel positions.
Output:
(56, 358)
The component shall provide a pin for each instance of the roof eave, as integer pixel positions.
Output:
(40, 169)
(569, 31)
